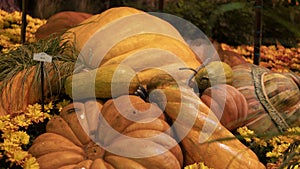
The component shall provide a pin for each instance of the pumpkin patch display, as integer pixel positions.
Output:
(132, 132)
(132, 107)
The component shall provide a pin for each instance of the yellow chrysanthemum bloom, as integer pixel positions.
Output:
(13, 139)
(62, 104)
(31, 163)
(246, 133)
(199, 165)
(10, 29)
(20, 155)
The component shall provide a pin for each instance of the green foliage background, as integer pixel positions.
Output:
(232, 21)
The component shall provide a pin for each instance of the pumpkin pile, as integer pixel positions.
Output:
(134, 106)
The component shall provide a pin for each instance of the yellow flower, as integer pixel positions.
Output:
(20, 155)
(48, 107)
(21, 121)
(200, 165)
(5, 118)
(17, 137)
(9, 146)
(31, 163)
(246, 133)
(260, 142)
(62, 104)
(273, 154)
(34, 108)
(3, 125)
(295, 132)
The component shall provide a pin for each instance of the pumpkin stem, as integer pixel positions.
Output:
(141, 92)
(188, 68)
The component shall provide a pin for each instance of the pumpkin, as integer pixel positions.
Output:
(273, 98)
(230, 57)
(228, 104)
(201, 134)
(138, 46)
(84, 135)
(59, 23)
(215, 72)
(23, 88)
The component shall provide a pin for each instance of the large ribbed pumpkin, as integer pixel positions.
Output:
(137, 43)
(91, 135)
(273, 98)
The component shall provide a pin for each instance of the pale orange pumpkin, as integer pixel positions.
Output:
(82, 140)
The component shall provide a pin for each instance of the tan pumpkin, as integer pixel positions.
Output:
(83, 139)
(228, 104)
(137, 44)
(273, 98)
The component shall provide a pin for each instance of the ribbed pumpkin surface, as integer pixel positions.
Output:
(119, 33)
(73, 139)
(273, 98)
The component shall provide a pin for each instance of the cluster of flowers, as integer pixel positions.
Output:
(10, 29)
(14, 135)
(280, 149)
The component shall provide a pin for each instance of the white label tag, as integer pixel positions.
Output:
(42, 57)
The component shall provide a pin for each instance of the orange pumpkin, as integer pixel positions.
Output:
(228, 104)
(77, 138)
(24, 87)
(60, 22)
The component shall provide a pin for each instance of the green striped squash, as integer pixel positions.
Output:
(273, 98)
